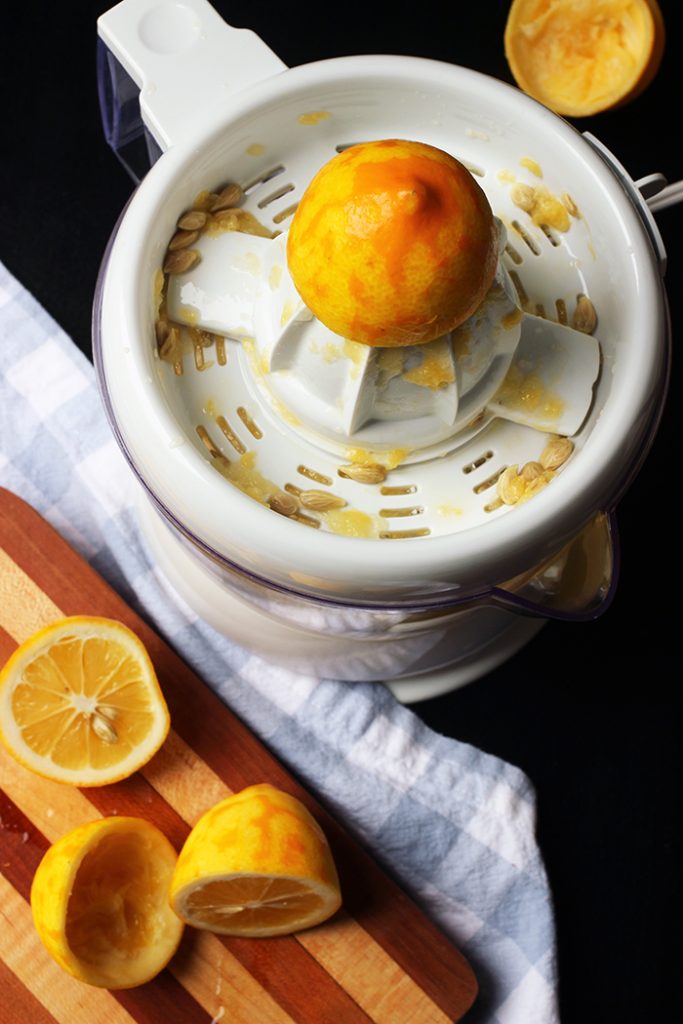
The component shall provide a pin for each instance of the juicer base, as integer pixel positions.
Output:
(446, 652)
(439, 681)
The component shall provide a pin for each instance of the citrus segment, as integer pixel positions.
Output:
(100, 902)
(579, 57)
(393, 243)
(256, 864)
(80, 702)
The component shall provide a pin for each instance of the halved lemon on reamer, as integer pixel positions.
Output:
(256, 864)
(100, 902)
(393, 243)
(80, 702)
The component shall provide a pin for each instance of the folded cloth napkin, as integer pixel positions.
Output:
(476, 869)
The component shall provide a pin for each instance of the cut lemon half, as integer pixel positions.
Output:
(580, 57)
(100, 902)
(80, 702)
(256, 864)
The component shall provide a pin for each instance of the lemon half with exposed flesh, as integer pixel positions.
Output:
(100, 902)
(256, 864)
(80, 702)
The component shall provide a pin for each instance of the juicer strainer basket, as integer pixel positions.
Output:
(441, 536)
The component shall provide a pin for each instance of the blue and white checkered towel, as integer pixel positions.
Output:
(476, 870)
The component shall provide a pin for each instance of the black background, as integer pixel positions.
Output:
(591, 712)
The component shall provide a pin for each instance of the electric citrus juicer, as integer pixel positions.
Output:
(259, 458)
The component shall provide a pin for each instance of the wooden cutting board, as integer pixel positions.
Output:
(379, 959)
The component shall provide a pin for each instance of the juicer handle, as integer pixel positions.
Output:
(185, 59)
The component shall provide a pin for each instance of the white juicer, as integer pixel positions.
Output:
(396, 558)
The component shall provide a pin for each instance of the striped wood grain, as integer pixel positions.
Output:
(378, 960)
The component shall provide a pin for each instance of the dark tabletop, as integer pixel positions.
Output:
(590, 711)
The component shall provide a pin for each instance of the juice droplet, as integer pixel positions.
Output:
(313, 117)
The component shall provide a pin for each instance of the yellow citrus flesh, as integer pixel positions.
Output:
(80, 702)
(100, 902)
(256, 864)
(579, 57)
(393, 243)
